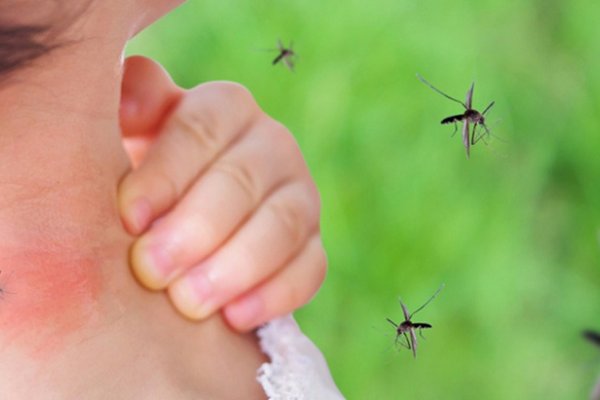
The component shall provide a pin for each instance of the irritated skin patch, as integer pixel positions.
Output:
(46, 295)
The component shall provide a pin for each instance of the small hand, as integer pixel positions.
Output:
(228, 212)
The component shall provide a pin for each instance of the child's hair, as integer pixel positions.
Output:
(20, 45)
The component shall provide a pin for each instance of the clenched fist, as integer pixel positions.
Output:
(226, 210)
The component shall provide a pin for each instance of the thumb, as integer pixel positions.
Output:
(148, 94)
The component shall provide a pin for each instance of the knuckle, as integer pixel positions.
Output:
(300, 291)
(201, 127)
(288, 153)
(314, 196)
(206, 234)
(235, 96)
(166, 184)
(236, 90)
(292, 217)
(246, 277)
(284, 141)
(242, 175)
(307, 195)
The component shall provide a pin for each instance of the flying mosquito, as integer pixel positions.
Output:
(592, 336)
(286, 55)
(469, 116)
(407, 328)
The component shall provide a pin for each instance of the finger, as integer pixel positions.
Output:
(217, 203)
(202, 125)
(262, 246)
(147, 95)
(282, 293)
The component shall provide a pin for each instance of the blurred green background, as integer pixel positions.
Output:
(513, 232)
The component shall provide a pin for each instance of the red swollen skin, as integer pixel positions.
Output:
(45, 297)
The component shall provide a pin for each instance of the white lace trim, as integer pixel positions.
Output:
(297, 370)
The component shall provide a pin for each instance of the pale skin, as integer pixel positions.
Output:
(74, 323)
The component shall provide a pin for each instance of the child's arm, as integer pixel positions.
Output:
(239, 212)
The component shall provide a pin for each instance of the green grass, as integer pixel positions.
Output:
(513, 232)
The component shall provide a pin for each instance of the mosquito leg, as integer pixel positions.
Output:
(487, 131)
(455, 129)
(440, 92)
(483, 135)
(407, 341)
(427, 302)
(404, 343)
(399, 341)
(473, 134)
(421, 334)
(490, 134)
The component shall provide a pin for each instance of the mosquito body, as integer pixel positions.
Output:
(286, 55)
(407, 329)
(592, 336)
(470, 116)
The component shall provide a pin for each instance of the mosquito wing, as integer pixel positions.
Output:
(465, 136)
(405, 311)
(287, 60)
(469, 99)
(413, 341)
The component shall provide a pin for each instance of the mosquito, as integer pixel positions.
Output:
(407, 328)
(592, 336)
(469, 116)
(286, 55)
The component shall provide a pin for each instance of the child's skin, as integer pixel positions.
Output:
(73, 322)
(240, 212)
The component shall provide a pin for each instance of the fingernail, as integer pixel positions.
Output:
(245, 314)
(191, 296)
(152, 264)
(141, 213)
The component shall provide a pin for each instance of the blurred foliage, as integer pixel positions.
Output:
(513, 232)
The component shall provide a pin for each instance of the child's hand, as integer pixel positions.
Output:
(239, 212)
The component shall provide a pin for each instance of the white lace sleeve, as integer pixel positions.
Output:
(297, 370)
